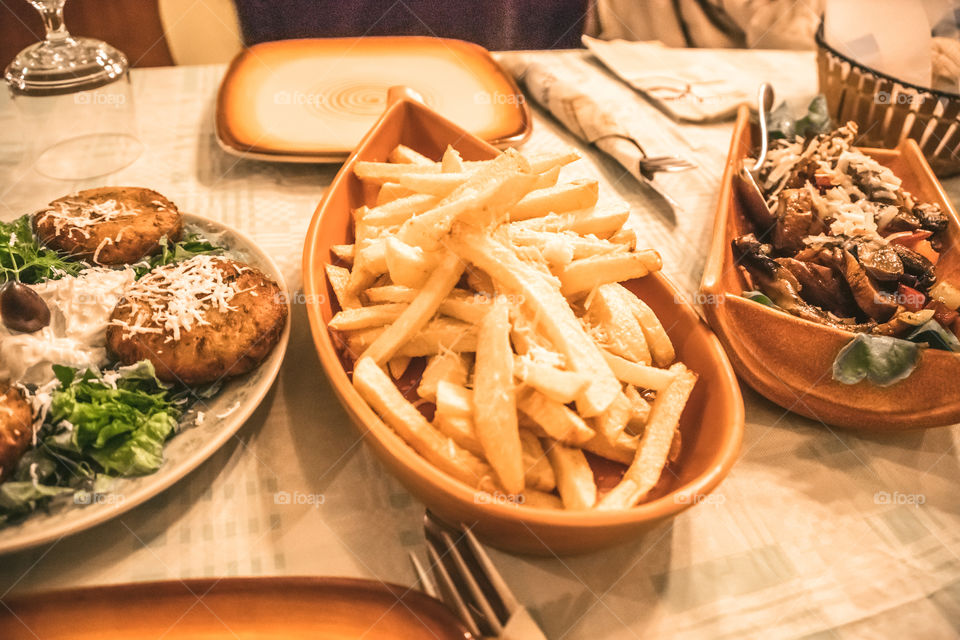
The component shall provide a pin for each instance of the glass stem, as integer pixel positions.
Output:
(52, 14)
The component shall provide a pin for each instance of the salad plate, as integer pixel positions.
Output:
(223, 414)
(790, 360)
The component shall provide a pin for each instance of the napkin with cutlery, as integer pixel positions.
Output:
(569, 100)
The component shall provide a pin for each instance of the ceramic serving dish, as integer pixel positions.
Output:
(288, 608)
(712, 423)
(313, 99)
(225, 413)
(790, 360)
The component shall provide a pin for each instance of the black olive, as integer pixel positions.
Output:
(22, 309)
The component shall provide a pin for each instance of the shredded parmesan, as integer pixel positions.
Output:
(174, 299)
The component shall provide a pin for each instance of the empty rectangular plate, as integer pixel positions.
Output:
(312, 100)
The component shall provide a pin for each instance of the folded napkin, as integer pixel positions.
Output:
(695, 85)
(570, 101)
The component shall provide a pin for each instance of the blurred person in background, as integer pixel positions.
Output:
(757, 24)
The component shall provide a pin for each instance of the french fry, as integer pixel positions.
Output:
(382, 172)
(540, 500)
(454, 399)
(438, 335)
(545, 180)
(398, 366)
(451, 161)
(538, 473)
(639, 375)
(660, 346)
(579, 194)
(416, 316)
(579, 246)
(391, 191)
(403, 154)
(639, 409)
(546, 161)
(580, 276)
(446, 365)
(409, 266)
(611, 423)
(644, 473)
(504, 175)
(558, 385)
(602, 222)
(343, 253)
(440, 185)
(545, 303)
(382, 395)
(340, 282)
(495, 419)
(354, 319)
(622, 450)
(614, 316)
(553, 418)
(400, 210)
(372, 258)
(575, 482)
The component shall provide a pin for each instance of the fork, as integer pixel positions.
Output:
(471, 585)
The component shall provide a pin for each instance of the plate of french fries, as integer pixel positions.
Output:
(507, 343)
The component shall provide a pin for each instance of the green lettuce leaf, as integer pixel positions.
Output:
(880, 359)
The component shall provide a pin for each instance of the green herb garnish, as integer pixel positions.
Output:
(190, 246)
(23, 258)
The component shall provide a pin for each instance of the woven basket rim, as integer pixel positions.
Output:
(822, 43)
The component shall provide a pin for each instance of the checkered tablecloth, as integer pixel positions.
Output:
(817, 532)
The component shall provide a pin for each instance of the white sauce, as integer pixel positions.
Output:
(80, 309)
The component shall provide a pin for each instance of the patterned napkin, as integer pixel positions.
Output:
(694, 85)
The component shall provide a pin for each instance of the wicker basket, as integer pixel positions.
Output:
(888, 110)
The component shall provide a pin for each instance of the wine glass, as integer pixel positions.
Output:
(76, 102)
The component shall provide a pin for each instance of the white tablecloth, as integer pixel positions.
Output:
(816, 533)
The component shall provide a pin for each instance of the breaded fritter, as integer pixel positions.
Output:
(198, 321)
(16, 428)
(109, 225)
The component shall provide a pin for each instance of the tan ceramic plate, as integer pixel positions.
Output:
(225, 414)
(255, 608)
(312, 100)
(789, 360)
(712, 424)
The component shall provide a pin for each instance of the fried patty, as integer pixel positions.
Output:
(16, 428)
(109, 225)
(224, 334)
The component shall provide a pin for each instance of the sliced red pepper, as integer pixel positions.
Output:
(942, 313)
(917, 241)
(910, 298)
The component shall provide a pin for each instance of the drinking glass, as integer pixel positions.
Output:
(76, 102)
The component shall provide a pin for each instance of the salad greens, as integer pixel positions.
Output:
(192, 245)
(883, 360)
(816, 121)
(113, 423)
(23, 258)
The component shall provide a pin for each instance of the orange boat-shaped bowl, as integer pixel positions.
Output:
(712, 424)
(789, 360)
